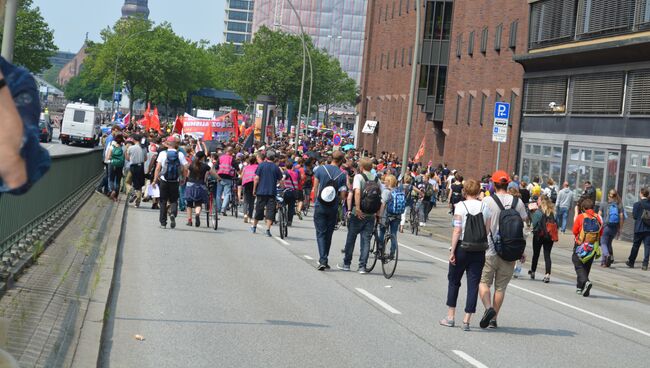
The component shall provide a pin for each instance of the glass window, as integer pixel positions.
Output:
(239, 27)
(546, 170)
(557, 152)
(442, 83)
(547, 151)
(537, 150)
(424, 70)
(599, 156)
(631, 192)
(497, 37)
(469, 108)
(446, 27)
(527, 149)
(612, 169)
(525, 168)
(556, 170)
(457, 107)
(470, 44)
(428, 21)
(586, 155)
(235, 37)
(235, 15)
(431, 84)
(437, 27)
(575, 154)
(79, 116)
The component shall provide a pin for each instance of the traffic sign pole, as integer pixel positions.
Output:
(498, 154)
(500, 128)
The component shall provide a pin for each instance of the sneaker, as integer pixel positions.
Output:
(532, 275)
(493, 324)
(224, 214)
(363, 270)
(629, 264)
(253, 229)
(465, 326)
(579, 291)
(189, 222)
(343, 268)
(547, 279)
(321, 267)
(644, 268)
(268, 233)
(197, 220)
(487, 317)
(155, 206)
(163, 226)
(299, 215)
(422, 224)
(327, 267)
(447, 322)
(587, 289)
(172, 221)
(245, 219)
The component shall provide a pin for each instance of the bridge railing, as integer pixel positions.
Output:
(29, 215)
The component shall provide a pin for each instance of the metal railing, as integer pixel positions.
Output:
(70, 176)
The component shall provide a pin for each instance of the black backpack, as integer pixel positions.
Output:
(553, 194)
(510, 242)
(370, 195)
(645, 217)
(173, 163)
(329, 187)
(475, 235)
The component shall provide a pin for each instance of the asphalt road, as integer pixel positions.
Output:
(229, 298)
(55, 148)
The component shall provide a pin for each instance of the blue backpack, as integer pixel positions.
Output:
(173, 163)
(613, 215)
(397, 203)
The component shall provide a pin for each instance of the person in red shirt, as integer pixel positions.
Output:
(582, 269)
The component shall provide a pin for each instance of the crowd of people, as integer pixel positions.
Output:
(491, 217)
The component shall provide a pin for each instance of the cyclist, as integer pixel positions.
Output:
(309, 182)
(390, 220)
(291, 180)
(412, 194)
(299, 168)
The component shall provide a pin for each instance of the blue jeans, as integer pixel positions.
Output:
(393, 225)
(561, 217)
(324, 222)
(182, 203)
(223, 187)
(636, 243)
(609, 233)
(364, 228)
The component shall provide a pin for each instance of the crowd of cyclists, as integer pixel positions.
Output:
(272, 183)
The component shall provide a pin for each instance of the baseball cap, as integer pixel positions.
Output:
(500, 176)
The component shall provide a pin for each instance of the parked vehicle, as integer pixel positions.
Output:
(81, 124)
(45, 127)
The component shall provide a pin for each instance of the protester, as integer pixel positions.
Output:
(467, 253)
(562, 205)
(393, 205)
(641, 215)
(291, 180)
(587, 229)
(248, 177)
(267, 177)
(544, 233)
(613, 215)
(171, 165)
(499, 265)
(135, 155)
(226, 173)
(196, 192)
(115, 157)
(330, 184)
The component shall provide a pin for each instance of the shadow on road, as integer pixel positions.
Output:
(268, 322)
(535, 331)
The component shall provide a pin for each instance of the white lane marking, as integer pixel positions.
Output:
(381, 303)
(308, 257)
(581, 310)
(469, 359)
(281, 240)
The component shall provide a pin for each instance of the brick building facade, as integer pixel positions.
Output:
(456, 91)
(73, 67)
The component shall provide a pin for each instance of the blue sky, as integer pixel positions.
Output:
(71, 19)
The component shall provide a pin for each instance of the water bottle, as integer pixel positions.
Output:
(517, 269)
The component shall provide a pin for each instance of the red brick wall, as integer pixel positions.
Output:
(385, 90)
(470, 147)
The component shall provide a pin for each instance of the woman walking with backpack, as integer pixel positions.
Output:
(587, 229)
(544, 233)
(468, 245)
(613, 215)
(116, 159)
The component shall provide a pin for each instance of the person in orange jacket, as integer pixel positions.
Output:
(591, 234)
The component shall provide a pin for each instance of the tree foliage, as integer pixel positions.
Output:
(34, 43)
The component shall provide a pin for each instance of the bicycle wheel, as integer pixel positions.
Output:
(373, 254)
(413, 222)
(208, 212)
(389, 264)
(286, 221)
(281, 222)
(215, 218)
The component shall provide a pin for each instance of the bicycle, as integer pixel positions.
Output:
(234, 202)
(414, 218)
(378, 251)
(341, 216)
(211, 213)
(306, 203)
(283, 216)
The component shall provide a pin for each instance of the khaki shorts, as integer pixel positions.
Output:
(498, 271)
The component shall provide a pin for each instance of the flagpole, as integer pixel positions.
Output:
(409, 114)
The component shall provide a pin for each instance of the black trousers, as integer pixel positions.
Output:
(249, 200)
(168, 194)
(582, 269)
(137, 175)
(537, 249)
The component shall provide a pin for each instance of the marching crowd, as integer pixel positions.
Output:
(492, 217)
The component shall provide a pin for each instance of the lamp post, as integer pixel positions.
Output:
(304, 62)
(117, 60)
(9, 30)
(409, 114)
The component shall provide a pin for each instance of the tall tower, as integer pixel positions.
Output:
(135, 8)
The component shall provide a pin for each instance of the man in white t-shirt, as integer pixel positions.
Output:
(169, 185)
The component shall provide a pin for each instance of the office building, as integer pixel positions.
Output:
(135, 8)
(336, 25)
(238, 22)
(586, 95)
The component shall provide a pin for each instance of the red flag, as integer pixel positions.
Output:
(147, 117)
(154, 121)
(420, 153)
(178, 125)
(235, 123)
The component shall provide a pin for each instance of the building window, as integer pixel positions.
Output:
(512, 39)
(459, 45)
(513, 104)
(386, 14)
(639, 91)
(497, 37)
(644, 14)
(457, 107)
(470, 44)
(392, 15)
(237, 15)
(483, 100)
(395, 60)
(484, 40)
(604, 16)
(437, 20)
(600, 93)
(408, 7)
(551, 22)
(410, 55)
(469, 108)
(387, 60)
(381, 65)
(379, 19)
(424, 76)
(239, 27)
(236, 38)
(545, 95)
(403, 52)
(400, 8)
(544, 161)
(442, 84)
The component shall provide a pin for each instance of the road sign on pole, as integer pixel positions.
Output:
(500, 127)
(336, 140)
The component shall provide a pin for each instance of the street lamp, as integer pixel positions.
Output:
(117, 60)
(409, 114)
(9, 30)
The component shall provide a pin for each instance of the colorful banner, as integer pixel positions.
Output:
(211, 129)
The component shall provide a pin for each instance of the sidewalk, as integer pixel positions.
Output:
(617, 279)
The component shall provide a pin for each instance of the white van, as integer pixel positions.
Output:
(81, 124)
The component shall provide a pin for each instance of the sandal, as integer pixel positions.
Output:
(447, 322)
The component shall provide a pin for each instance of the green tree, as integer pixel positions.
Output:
(34, 39)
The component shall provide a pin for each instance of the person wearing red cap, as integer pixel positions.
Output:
(498, 271)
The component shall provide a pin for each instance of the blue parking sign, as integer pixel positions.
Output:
(501, 110)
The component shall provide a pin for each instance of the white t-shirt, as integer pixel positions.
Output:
(474, 206)
(162, 160)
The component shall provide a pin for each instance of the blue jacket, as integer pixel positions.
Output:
(637, 212)
(25, 94)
